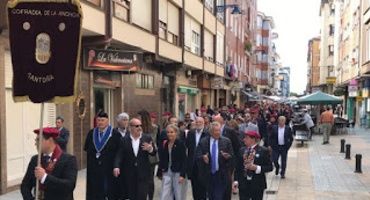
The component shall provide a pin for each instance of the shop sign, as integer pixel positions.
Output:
(112, 60)
(331, 80)
(217, 83)
(352, 90)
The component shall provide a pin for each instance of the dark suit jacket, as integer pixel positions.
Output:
(191, 148)
(258, 182)
(233, 137)
(225, 166)
(178, 158)
(59, 184)
(63, 138)
(288, 138)
(126, 159)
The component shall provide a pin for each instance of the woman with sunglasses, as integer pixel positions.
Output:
(172, 163)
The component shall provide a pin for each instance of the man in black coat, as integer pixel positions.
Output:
(63, 138)
(281, 140)
(252, 163)
(233, 136)
(57, 174)
(134, 153)
(215, 157)
(102, 144)
(192, 141)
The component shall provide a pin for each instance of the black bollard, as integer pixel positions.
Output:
(342, 143)
(348, 151)
(358, 163)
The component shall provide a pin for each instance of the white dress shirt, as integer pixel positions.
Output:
(281, 132)
(135, 144)
(210, 149)
(46, 175)
(197, 137)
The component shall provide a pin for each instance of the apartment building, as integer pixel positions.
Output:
(178, 51)
(313, 68)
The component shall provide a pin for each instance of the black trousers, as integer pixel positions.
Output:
(248, 194)
(198, 188)
(282, 152)
(137, 189)
(151, 182)
(217, 187)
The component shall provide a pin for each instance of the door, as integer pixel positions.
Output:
(103, 99)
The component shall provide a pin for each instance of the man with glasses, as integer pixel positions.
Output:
(134, 155)
(102, 144)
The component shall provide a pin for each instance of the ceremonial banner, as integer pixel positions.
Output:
(45, 40)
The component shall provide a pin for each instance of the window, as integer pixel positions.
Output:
(121, 9)
(208, 45)
(195, 42)
(162, 30)
(220, 49)
(332, 9)
(368, 45)
(144, 81)
(209, 4)
(331, 29)
(141, 13)
(331, 50)
(220, 15)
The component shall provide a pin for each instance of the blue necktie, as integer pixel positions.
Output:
(214, 157)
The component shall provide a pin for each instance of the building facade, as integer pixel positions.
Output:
(313, 68)
(178, 45)
(327, 75)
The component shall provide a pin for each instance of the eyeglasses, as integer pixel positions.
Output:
(137, 126)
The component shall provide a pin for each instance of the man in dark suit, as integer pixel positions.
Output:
(134, 154)
(102, 144)
(57, 174)
(122, 124)
(233, 136)
(192, 141)
(63, 138)
(215, 156)
(281, 140)
(252, 164)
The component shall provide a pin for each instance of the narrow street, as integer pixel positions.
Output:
(314, 172)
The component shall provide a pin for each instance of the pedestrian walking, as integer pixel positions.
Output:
(133, 154)
(253, 163)
(63, 138)
(307, 120)
(57, 174)
(122, 124)
(216, 160)
(326, 121)
(173, 166)
(101, 147)
(281, 140)
(192, 141)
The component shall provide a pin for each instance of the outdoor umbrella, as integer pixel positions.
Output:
(319, 98)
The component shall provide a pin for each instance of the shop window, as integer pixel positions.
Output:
(144, 81)
(121, 9)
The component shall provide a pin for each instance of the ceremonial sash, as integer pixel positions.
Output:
(100, 143)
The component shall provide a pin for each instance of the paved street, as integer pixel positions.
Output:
(314, 171)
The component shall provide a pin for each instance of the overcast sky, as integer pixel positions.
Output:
(296, 22)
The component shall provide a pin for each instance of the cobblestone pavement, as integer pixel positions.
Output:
(315, 172)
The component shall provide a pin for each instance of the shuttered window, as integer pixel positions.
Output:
(142, 13)
(208, 46)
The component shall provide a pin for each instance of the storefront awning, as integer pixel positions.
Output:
(188, 90)
(252, 96)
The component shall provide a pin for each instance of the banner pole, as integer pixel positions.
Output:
(37, 196)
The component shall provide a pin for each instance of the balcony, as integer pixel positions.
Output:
(170, 51)
(94, 17)
(220, 71)
(209, 67)
(132, 35)
(193, 60)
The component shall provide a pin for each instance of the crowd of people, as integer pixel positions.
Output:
(217, 151)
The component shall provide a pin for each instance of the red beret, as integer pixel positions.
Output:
(153, 115)
(167, 114)
(251, 133)
(48, 131)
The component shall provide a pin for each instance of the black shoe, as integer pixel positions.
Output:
(282, 176)
(277, 170)
(325, 143)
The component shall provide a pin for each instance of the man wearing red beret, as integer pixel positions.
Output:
(253, 161)
(57, 174)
